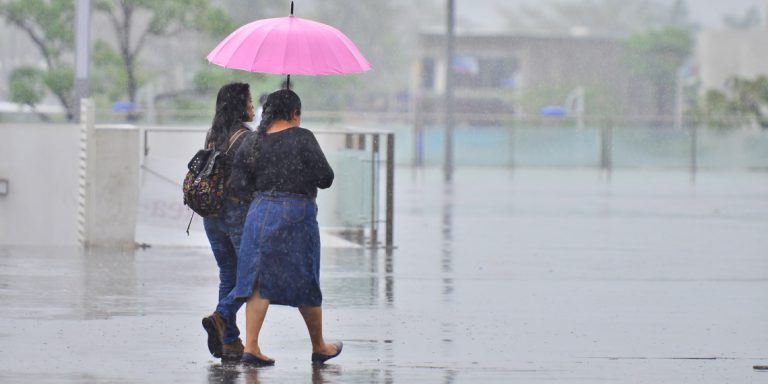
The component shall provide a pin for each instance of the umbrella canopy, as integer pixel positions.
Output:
(289, 45)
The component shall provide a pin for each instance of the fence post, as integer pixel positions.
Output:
(693, 155)
(606, 144)
(374, 191)
(418, 137)
(390, 191)
(360, 235)
(511, 142)
(145, 134)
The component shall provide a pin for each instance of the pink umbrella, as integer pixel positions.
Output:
(289, 45)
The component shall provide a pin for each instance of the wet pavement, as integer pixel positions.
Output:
(503, 277)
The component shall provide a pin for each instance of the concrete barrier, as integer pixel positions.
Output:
(114, 194)
(46, 196)
(40, 162)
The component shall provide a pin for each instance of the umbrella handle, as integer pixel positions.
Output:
(291, 8)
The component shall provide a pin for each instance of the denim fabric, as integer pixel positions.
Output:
(281, 250)
(224, 234)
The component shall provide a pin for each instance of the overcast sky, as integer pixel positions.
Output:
(708, 13)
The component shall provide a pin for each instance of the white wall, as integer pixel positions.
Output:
(41, 165)
(724, 54)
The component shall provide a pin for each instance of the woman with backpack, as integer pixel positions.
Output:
(281, 165)
(234, 108)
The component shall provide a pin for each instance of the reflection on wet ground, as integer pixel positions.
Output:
(547, 276)
(230, 373)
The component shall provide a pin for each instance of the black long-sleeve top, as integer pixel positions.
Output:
(286, 161)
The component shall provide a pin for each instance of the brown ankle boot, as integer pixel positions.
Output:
(214, 325)
(233, 350)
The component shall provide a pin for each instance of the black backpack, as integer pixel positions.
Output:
(206, 179)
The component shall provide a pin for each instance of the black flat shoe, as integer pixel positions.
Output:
(319, 358)
(255, 361)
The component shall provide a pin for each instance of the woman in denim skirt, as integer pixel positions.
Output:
(227, 133)
(281, 165)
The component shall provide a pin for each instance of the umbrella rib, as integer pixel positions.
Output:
(310, 57)
(324, 37)
(337, 36)
(337, 53)
(335, 59)
(224, 44)
(234, 36)
(358, 57)
(258, 50)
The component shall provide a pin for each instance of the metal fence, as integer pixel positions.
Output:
(607, 147)
(501, 139)
(363, 161)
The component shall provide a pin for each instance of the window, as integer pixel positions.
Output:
(498, 73)
(472, 72)
(428, 73)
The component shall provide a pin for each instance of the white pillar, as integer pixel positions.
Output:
(84, 193)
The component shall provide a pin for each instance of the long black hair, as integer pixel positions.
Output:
(231, 112)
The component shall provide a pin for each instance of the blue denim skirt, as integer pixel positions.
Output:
(280, 250)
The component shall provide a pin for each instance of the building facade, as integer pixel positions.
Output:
(521, 75)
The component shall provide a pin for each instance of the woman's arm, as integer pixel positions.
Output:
(320, 171)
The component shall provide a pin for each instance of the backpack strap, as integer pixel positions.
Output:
(234, 138)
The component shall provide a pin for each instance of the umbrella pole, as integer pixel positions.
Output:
(288, 80)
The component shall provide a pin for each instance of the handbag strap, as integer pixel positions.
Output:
(234, 138)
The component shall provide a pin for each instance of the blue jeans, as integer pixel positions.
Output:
(224, 234)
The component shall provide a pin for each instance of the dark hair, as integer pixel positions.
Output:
(280, 105)
(231, 112)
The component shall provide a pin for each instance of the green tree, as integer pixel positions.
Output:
(27, 86)
(750, 98)
(167, 18)
(49, 24)
(206, 82)
(656, 56)
(108, 77)
(715, 110)
(744, 102)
